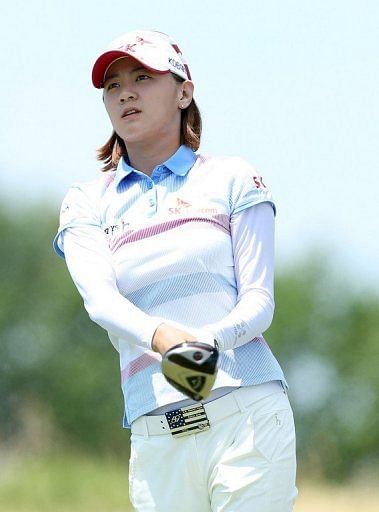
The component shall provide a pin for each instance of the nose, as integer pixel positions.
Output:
(127, 95)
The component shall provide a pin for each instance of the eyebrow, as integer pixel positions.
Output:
(116, 75)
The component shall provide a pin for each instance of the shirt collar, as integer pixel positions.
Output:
(179, 163)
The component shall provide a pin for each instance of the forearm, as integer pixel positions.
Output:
(248, 320)
(89, 263)
(252, 233)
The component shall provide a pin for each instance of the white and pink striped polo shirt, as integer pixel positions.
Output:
(183, 246)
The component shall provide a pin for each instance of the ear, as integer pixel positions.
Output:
(185, 93)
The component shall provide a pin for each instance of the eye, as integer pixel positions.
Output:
(112, 85)
(142, 77)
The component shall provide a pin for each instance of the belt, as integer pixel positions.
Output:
(199, 417)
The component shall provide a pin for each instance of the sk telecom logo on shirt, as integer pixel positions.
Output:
(183, 207)
(180, 206)
(258, 181)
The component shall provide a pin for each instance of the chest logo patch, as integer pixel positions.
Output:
(180, 202)
(184, 207)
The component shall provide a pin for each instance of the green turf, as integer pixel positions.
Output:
(65, 483)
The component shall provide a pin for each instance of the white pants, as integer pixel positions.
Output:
(246, 462)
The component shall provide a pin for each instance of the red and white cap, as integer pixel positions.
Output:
(154, 50)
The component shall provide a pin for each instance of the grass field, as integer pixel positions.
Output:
(66, 484)
(322, 498)
(79, 484)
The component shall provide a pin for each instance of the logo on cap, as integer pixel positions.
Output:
(177, 64)
(128, 47)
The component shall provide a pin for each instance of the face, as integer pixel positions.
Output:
(144, 106)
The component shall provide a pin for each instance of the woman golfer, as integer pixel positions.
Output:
(168, 246)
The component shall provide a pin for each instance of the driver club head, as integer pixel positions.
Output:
(191, 367)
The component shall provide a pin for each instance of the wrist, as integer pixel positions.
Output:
(157, 335)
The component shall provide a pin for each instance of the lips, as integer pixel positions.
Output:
(130, 111)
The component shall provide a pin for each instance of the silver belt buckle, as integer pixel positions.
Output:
(188, 420)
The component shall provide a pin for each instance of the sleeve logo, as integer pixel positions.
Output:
(259, 182)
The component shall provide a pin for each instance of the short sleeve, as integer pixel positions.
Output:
(249, 187)
(77, 210)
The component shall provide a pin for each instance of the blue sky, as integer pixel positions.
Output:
(292, 86)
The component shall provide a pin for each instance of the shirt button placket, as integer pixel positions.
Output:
(152, 200)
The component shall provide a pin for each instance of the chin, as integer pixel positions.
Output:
(132, 138)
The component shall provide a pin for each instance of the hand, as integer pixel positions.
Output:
(167, 336)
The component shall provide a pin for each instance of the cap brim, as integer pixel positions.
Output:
(105, 60)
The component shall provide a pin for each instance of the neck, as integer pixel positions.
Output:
(145, 157)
